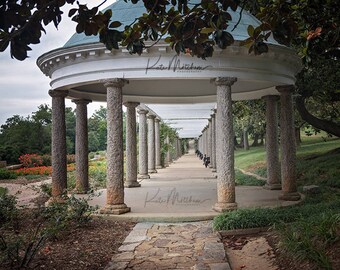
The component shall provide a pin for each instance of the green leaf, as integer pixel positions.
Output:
(250, 30)
(207, 30)
(115, 24)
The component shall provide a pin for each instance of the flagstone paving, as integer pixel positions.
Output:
(171, 246)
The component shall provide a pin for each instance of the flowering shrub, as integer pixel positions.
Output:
(31, 160)
(43, 170)
(46, 160)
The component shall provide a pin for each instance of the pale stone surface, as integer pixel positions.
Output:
(59, 161)
(143, 146)
(151, 144)
(131, 145)
(210, 141)
(82, 160)
(157, 144)
(115, 151)
(272, 145)
(225, 146)
(288, 147)
(173, 246)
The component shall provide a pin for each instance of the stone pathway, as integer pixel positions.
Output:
(171, 246)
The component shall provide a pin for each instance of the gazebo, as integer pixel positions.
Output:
(85, 71)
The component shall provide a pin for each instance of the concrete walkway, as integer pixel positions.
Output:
(171, 246)
(185, 191)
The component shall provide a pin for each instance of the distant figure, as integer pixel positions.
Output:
(206, 160)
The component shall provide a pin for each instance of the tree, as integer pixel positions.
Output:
(192, 27)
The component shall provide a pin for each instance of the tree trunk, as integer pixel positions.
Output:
(297, 136)
(245, 139)
(256, 140)
(324, 125)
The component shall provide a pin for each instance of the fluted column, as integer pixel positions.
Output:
(272, 145)
(225, 146)
(151, 144)
(158, 144)
(288, 147)
(131, 145)
(59, 161)
(115, 153)
(213, 140)
(82, 148)
(143, 145)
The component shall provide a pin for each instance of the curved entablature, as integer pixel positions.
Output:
(160, 75)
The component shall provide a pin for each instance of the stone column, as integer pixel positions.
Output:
(143, 145)
(167, 155)
(115, 152)
(225, 146)
(209, 133)
(272, 145)
(151, 144)
(158, 144)
(213, 140)
(131, 145)
(288, 147)
(59, 161)
(82, 148)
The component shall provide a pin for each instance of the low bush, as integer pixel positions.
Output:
(42, 170)
(263, 217)
(308, 239)
(6, 174)
(71, 159)
(31, 160)
(8, 210)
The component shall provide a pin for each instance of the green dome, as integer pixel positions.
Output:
(126, 13)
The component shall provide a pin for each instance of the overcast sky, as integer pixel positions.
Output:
(23, 87)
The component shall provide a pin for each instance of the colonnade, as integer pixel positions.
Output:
(216, 141)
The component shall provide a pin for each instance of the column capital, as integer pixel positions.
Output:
(271, 97)
(131, 104)
(210, 119)
(229, 81)
(81, 101)
(151, 116)
(285, 88)
(115, 82)
(58, 93)
(142, 111)
(213, 115)
(157, 120)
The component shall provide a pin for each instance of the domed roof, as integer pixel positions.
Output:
(126, 13)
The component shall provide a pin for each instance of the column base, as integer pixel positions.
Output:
(213, 170)
(143, 176)
(272, 186)
(152, 171)
(224, 207)
(290, 196)
(159, 167)
(52, 200)
(132, 184)
(116, 209)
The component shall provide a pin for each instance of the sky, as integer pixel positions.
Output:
(23, 87)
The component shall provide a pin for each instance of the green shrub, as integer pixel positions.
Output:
(309, 238)
(46, 189)
(6, 174)
(263, 217)
(261, 171)
(8, 210)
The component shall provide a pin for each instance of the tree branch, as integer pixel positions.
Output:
(324, 125)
